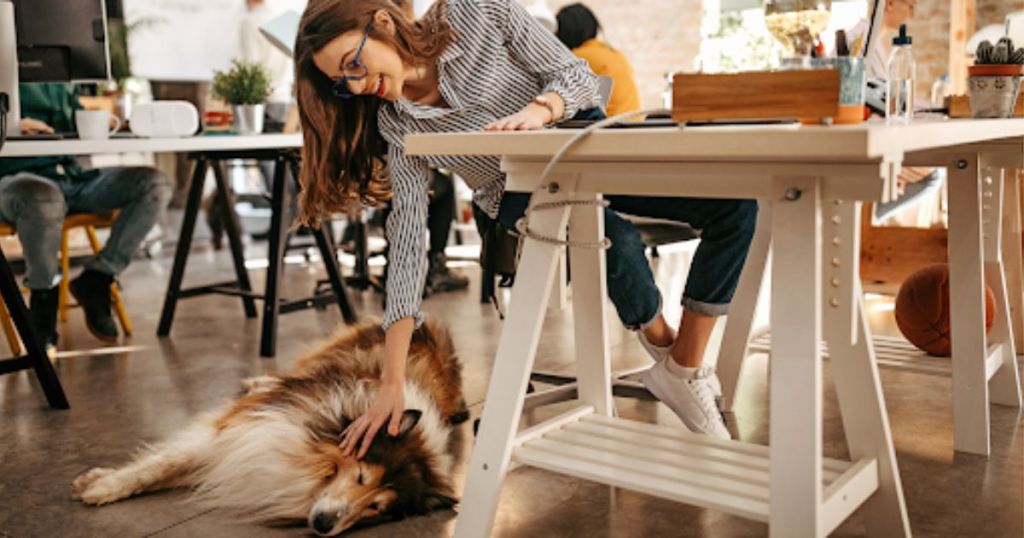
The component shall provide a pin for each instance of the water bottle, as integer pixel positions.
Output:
(900, 95)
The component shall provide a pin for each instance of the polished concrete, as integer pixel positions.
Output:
(153, 388)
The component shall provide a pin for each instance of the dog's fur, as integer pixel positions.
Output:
(272, 455)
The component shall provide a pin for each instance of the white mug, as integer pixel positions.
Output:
(95, 124)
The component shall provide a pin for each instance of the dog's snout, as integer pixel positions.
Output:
(323, 522)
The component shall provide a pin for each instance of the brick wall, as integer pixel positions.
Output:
(664, 35)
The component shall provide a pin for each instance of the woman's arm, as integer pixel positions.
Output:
(407, 257)
(563, 74)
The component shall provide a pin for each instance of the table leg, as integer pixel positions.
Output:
(1012, 245)
(1004, 383)
(590, 320)
(230, 220)
(967, 315)
(855, 373)
(739, 323)
(181, 251)
(275, 261)
(517, 349)
(795, 368)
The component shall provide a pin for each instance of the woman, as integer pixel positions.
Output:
(367, 76)
(577, 29)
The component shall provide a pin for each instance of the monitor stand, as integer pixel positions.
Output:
(9, 67)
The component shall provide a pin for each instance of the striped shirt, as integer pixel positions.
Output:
(500, 59)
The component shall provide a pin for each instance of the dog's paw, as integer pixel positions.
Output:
(86, 479)
(105, 490)
(251, 385)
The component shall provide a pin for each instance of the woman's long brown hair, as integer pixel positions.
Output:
(343, 151)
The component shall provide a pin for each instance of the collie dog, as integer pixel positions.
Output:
(272, 456)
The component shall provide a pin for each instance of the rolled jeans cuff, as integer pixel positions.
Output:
(650, 321)
(707, 309)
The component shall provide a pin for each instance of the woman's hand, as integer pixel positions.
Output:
(31, 126)
(528, 119)
(387, 409)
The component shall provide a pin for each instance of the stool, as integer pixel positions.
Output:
(90, 222)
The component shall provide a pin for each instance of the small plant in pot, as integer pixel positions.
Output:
(995, 79)
(246, 88)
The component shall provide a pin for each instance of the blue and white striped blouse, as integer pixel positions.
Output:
(499, 61)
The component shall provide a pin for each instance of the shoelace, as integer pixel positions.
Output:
(704, 393)
(708, 373)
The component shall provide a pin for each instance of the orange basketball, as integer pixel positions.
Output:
(922, 309)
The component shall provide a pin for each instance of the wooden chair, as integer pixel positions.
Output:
(90, 222)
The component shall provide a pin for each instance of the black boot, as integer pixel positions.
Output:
(92, 291)
(440, 279)
(42, 311)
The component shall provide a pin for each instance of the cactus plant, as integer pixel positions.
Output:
(1003, 52)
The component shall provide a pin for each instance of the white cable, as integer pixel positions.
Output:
(523, 224)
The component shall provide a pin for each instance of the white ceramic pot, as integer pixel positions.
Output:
(993, 96)
(248, 119)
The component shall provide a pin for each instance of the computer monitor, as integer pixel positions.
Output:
(38, 45)
(71, 46)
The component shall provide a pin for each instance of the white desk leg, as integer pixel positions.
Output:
(1004, 385)
(1012, 255)
(560, 285)
(795, 384)
(589, 288)
(739, 323)
(517, 349)
(855, 373)
(967, 317)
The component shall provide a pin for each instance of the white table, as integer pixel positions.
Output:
(206, 150)
(810, 181)
(40, 148)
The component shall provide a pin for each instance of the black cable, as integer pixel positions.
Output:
(4, 107)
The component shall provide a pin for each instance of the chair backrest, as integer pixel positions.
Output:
(604, 91)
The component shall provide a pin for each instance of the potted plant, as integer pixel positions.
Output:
(994, 79)
(246, 88)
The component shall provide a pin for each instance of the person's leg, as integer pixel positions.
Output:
(36, 207)
(141, 194)
(439, 222)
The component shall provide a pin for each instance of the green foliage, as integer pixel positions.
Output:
(247, 83)
(1002, 52)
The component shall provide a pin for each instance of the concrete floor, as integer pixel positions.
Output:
(144, 393)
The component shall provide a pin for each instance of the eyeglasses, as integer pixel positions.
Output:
(352, 70)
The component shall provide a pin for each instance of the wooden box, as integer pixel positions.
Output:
(809, 94)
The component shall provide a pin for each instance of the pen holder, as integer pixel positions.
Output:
(851, 88)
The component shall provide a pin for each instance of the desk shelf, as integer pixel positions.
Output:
(672, 463)
(895, 353)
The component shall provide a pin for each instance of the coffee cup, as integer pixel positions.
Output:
(95, 124)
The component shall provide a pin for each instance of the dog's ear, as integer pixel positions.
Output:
(409, 419)
(439, 501)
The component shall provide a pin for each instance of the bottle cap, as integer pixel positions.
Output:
(903, 38)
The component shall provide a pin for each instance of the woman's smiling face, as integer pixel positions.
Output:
(384, 71)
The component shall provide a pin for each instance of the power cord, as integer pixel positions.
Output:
(5, 105)
(523, 224)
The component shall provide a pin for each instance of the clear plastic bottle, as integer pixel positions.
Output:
(900, 94)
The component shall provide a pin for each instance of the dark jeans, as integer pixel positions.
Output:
(37, 206)
(727, 227)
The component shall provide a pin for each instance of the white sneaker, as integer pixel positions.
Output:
(658, 353)
(692, 397)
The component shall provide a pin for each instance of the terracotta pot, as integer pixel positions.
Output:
(995, 70)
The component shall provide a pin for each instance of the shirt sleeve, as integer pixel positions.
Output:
(544, 55)
(406, 233)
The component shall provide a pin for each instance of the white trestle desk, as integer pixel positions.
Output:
(208, 152)
(810, 182)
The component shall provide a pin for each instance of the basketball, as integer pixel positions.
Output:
(922, 309)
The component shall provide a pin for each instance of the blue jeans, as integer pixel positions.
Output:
(37, 205)
(727, 227)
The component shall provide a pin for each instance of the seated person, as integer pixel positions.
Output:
(36, 193)
(577, 29)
